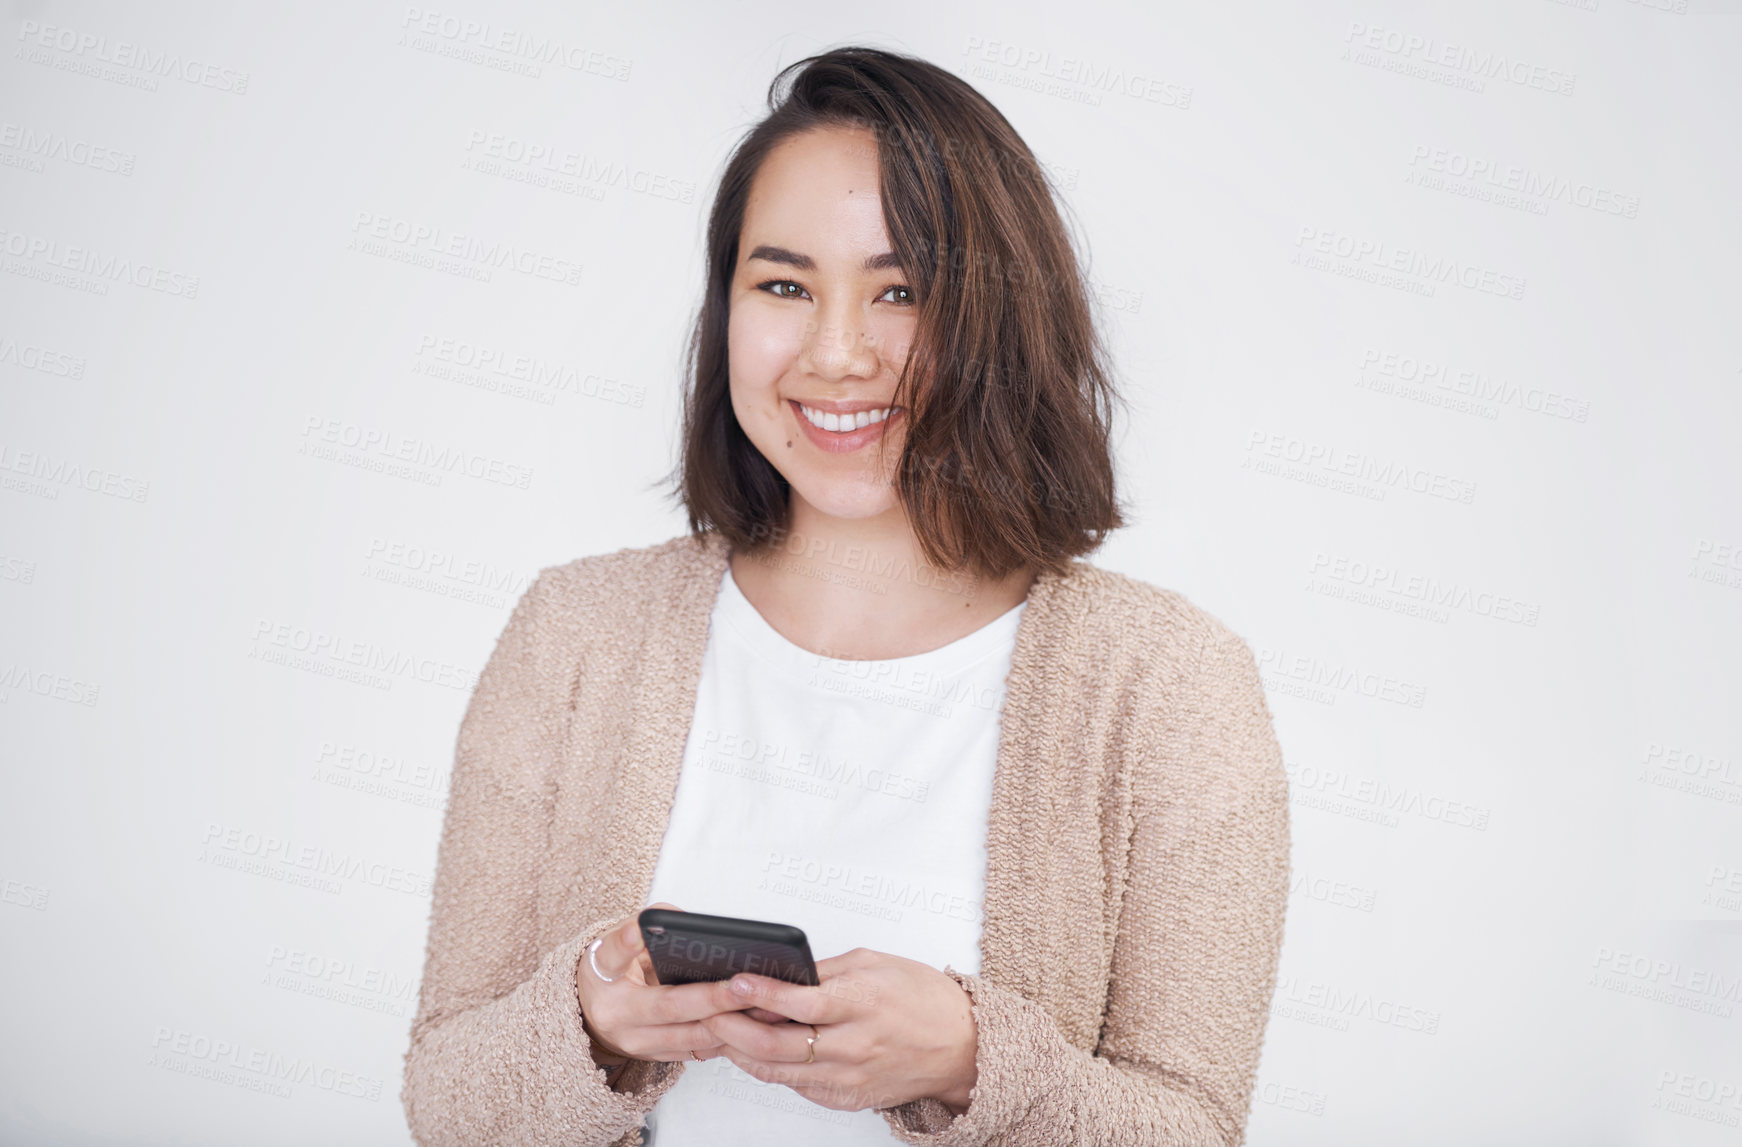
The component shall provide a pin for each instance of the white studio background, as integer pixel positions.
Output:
(1428, 316)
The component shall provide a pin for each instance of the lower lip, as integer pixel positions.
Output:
(836, 442)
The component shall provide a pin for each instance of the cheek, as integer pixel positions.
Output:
(760, 347)
(893, 338)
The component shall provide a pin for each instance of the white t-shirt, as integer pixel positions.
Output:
(849, 798)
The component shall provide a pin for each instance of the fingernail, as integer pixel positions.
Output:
(742, 986)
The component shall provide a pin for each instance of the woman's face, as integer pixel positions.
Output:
(821, 320)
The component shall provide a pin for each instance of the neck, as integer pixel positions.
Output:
(860, 588)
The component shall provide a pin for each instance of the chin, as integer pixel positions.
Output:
(847, 499)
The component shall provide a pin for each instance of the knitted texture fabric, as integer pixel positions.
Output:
(1136, 885)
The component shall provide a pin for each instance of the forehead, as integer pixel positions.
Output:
(818, 193)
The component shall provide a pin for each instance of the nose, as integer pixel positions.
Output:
(838, 345)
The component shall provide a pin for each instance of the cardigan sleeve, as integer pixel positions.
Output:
(498, 1053)
(1194, 961)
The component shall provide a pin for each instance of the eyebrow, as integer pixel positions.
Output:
(888, 260)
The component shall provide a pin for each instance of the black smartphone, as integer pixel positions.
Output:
(693, 948)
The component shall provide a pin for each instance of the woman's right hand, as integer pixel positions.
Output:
(637, 1016)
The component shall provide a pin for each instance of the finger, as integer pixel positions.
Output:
(618, 949)
(623, 947)
(800, 1002)
(636, 944)
(643, 968)
(672, 1043)
(663, 1004)
(845, 962)
(775, 1043)
(639, 972)
(763, 1015)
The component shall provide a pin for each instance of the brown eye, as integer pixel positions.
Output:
(907, 296)
(779, 288)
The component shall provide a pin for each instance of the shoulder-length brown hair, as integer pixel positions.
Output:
(1006, 460)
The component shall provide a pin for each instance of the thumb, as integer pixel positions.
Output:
(632, 926)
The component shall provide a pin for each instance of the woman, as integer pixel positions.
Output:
(1036, 807)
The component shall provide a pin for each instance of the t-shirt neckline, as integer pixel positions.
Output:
(736, 610)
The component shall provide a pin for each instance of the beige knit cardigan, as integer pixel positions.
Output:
(1137, 872)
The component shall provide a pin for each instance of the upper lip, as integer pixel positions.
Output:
(834, 406)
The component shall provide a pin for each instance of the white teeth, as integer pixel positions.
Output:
(828, 420)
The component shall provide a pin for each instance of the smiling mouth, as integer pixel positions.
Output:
(836, 432)
(843, 423)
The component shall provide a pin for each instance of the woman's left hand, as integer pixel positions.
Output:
(889, 1030)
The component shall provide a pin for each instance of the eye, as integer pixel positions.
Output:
(780, 291)
(907, 298)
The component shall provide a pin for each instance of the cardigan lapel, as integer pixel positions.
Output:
(1043, 913)
(1042, 935)
(661, 693)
